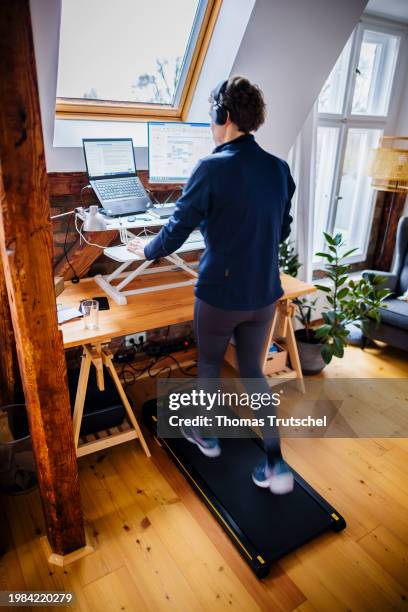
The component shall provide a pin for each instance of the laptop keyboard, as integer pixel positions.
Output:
(115, 189)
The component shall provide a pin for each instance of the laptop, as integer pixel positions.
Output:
(111, 168)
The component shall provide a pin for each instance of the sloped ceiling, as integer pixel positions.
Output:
(289, 49)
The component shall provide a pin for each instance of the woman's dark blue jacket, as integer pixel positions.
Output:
(240, 197)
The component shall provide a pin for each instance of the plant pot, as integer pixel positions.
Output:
(309, 351)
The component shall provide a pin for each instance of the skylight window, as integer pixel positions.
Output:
(131, 56)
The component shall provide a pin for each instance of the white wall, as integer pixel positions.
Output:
(46, 15)
(232, 22)
(402, 121)
(289, 49)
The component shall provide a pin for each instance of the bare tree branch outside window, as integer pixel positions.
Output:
(159, 87)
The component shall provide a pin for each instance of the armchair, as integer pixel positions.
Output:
(393, 328)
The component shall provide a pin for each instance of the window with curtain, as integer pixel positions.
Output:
(131, 57)
(353, 109)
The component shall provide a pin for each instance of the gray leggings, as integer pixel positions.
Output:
(213, 329)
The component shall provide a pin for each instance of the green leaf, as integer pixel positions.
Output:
(323, 330)
(331, 316)
(323, 288)
(383, 293)
(329, 239)
(348, 253)
(338, 347)
(342, 293)
(341, 280)
(326, 353)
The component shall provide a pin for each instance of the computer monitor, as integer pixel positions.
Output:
(175, 148)
(109, 157)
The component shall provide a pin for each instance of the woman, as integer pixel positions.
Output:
(240, 197)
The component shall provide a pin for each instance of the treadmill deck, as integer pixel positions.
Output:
(264, 527)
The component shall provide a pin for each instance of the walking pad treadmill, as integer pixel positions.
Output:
(263, 527)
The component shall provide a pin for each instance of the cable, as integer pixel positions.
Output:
(179, 366)
(129, 370)
(155, 375)
(75, 278)
(82, 191)
(134, 372)
(152, 196)
(182, 370)
(79, 230)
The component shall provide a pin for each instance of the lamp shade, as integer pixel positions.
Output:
(94, 221)
(388, 166)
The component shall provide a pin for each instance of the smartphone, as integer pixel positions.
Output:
(103, 303)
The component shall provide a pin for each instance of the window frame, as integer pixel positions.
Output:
(345, 121)
(74, 108)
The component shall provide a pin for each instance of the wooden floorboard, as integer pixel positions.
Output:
(158, 548)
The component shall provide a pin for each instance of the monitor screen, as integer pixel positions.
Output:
(109, 157)
(175, 148)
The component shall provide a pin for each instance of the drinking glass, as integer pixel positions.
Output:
(90, 310)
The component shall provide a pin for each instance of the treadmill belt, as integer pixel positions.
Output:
(264, 527)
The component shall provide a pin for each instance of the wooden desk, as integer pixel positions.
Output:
(142, 312)
(146, 310)
(149, 311)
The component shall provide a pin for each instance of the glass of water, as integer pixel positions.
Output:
(90, 310)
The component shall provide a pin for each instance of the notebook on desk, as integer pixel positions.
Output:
(163, 212)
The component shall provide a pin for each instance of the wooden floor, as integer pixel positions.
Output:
(158, 548)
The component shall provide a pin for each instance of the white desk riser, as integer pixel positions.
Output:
(126, 258)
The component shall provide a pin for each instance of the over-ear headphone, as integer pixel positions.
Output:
(219, 113)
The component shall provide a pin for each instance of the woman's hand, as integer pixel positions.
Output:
(137, 246)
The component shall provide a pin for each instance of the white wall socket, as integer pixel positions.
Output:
(134, 339)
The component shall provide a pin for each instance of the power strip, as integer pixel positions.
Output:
(155, 349)
(126, 356)
(173, 345)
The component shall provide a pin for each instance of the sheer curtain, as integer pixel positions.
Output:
(302, 161)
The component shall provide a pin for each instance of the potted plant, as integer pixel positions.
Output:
(288, 258)
(347, 301)
(309, 345)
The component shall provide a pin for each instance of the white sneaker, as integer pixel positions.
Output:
(279, 478)
(210, 447)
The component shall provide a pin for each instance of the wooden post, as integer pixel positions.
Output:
(26, 252)
(10, 385)
(392, 210)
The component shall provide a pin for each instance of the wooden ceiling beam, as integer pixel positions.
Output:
(26, 252)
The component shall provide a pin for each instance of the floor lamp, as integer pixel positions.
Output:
(388, 169)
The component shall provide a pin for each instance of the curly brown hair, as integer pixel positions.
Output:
(245, 104)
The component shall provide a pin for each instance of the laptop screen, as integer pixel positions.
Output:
(109, 157)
